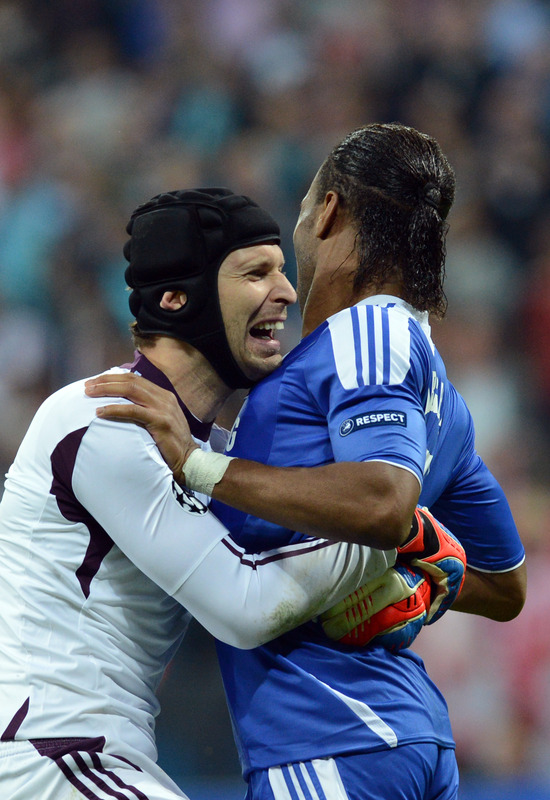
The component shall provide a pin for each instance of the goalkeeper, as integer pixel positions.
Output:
(365, 399)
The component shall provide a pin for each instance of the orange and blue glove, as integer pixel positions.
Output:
(391, 610)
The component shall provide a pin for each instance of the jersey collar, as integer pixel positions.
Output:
(142, 366)
(390, 300)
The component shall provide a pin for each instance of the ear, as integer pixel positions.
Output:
(328, 215)
(173, 301)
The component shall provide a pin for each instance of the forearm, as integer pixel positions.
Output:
(496, 595)
(243, 599)
(256, 598)
(369, 503)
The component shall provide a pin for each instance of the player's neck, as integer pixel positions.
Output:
(392, 288)
(198, 385)
(331, 286)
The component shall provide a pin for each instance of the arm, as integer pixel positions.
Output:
(258, 489)
(476, 509)
(243, 600)
(370, 502)
(496, 595)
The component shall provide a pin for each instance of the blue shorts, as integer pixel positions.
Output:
(411, 772)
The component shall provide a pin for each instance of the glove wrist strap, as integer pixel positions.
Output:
(415, 528)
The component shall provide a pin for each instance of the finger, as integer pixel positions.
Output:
(124, 411)
(355, 597)
(129, 389)
(368, 600)
(388, 594)
(98, 387)
(112, 377)
(381, 601)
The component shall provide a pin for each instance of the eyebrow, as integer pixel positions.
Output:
(261, 262)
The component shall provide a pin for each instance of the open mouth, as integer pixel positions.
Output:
(265, 330)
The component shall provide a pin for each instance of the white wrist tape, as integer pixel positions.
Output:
(204, 470)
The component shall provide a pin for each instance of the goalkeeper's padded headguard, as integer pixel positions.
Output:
(178, 242)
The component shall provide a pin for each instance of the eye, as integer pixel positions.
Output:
(257, 274)
(265, 271)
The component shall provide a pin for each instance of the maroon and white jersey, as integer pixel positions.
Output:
(102, 559)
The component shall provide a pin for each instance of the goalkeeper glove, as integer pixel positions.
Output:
(434, 550)
(389, 610)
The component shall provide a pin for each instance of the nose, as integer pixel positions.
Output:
(283, 291)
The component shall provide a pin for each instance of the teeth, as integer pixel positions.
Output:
(270, 326)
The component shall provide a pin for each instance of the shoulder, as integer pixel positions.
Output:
(373, 344)
(73, 394)
(66, 412)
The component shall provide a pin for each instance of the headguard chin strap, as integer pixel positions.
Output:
(178, 242)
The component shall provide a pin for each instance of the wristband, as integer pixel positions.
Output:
(203, 470)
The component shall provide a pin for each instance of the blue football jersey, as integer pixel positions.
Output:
(368, 384)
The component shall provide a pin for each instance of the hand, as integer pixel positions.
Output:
(433, 549)
(154, 408)
(389, 610)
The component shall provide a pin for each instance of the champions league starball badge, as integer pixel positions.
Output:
(187, 500)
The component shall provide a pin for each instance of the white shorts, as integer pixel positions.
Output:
(77, 769)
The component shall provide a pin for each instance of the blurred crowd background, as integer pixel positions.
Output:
(105, 103)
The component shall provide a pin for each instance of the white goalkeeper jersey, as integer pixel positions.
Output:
(102, 559)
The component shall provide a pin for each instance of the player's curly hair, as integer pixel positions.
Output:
(398, 187)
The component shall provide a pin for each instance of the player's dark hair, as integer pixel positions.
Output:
(398, 187)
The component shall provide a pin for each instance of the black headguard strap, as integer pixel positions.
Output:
(178, 242)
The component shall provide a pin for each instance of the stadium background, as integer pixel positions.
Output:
(104, 103)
